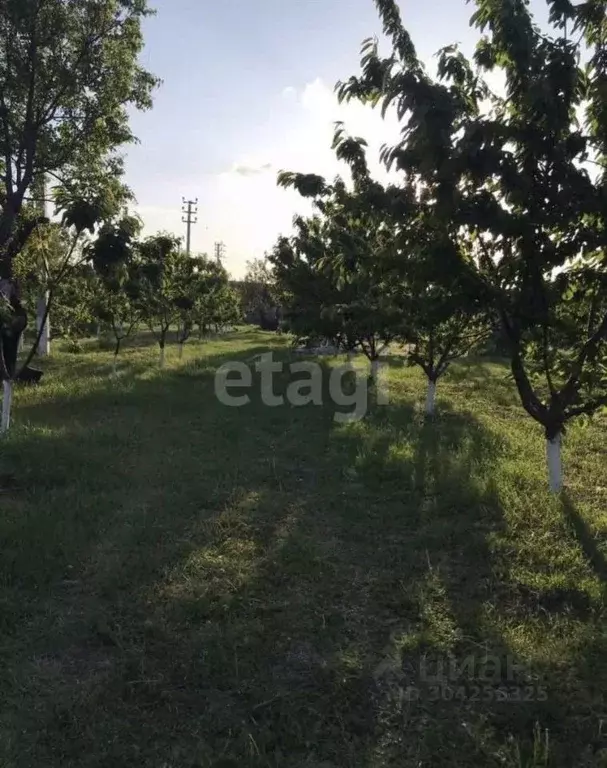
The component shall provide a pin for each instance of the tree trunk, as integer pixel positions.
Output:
(7, 401)
(162, 355)
(116, 353)
(555, 469)
(44, 346)
(12, 330)
(430, 398)
(375, 370)
(181, 350)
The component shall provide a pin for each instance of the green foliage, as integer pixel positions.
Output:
(258, 296)
(85, 278)
(111, 253)
(73, 346)
(74, 300)
(215, 301)
(221, 306)
(337, 272)
(169, 287)
(113, 306)
(199, 281)
(375, 264)
(520, 177)
(69, 72)
(99, 202)
(156, 285)
(53, 262)
(329, 274)
(445, 312)
(308, 295)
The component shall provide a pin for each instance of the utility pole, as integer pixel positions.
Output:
(220, 250)
(190, 213)
(44, 345)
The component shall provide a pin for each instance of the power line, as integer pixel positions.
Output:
(190, 211)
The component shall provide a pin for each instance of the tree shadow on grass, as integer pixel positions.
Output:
(88, 391)
(108, 510)
(470, 369)
(488, 376)
(454, 604)
(395, 361)
(77, 366)
(167, 557)
(587, 540)
(439, 571)
(247, 586)
(351, 579)
(522, 691)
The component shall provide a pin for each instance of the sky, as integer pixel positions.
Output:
(247, 91)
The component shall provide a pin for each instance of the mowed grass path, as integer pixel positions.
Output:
(188, 585)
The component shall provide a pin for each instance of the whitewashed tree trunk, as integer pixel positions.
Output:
(21, 342)
(162, 357)
(555, 468)
(44, 346)
(375, 370)
(7, 402)
(115, 365)
(430, 398)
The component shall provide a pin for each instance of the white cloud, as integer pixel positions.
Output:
(242, 169)
(316, 97)
(250, 210)
(244, 207)
(307, 146)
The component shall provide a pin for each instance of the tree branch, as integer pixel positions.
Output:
(588, 408)
(28, 135)
(530, 400)
(569, 390)
(545, 357)
(51, 290)
(91, 40)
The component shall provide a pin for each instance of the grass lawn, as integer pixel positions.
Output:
(186, 585)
